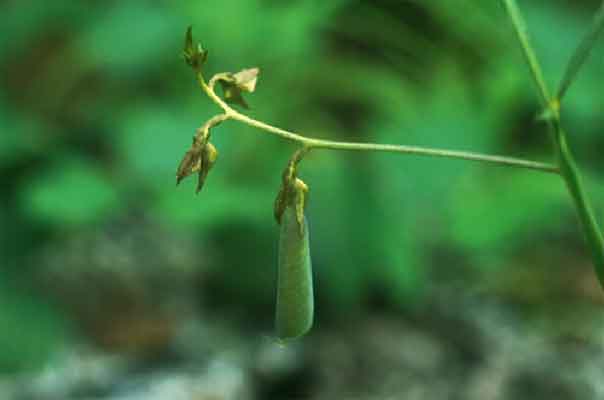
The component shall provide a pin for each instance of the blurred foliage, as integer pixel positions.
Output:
(32, 331)
(97, 109)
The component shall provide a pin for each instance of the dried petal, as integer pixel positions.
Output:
(300, 189)
(292, 193)
(246, 79)
(232, 93)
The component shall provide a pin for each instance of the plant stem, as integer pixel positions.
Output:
(312, 143)
(582, 52)
(209, 90)
(391, 148)
(572, 178)
(567, 166)
(531, 58)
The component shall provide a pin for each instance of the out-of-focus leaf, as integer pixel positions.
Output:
(343, 257)
(131, 36)
(221, 203)
(70, 193)
(19, 135)
(25, 24)
(496, 215)
(32, 331)
(152, 141)
(297, 25)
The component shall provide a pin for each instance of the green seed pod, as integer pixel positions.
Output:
(295, 302)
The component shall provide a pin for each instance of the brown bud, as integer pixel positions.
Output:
(208, 158)
(292, 193)
(233, 85)
(246, 79)
(190, 162)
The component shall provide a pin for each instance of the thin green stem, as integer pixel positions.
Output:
(582, 52)
(422, 151)
(214, 121)
(299, 155)
(531, 58)
(567, 166)
(209, 91)
(312, 143)
(572, 177)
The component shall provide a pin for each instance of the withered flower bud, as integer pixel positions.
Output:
(200, 159)
(190, 163)
(208, 158)
(292, 193)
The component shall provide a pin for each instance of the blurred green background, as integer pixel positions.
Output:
(100, 251)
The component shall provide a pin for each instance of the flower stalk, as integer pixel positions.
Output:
(202, 155)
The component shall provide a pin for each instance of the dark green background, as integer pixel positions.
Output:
(97, 107)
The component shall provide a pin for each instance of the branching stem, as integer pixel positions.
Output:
(566, 162)
(565, 166)
(313, 143)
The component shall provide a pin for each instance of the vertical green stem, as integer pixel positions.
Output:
(582, 52)
(568, 168)
(511, 7)
(572, 177)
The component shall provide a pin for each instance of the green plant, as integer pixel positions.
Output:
(289, 207)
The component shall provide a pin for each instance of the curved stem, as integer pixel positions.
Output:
(299, 155)
(312, 143)
(209, 90)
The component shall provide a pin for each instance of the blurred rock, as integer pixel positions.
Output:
(128, 286)
(456, 346)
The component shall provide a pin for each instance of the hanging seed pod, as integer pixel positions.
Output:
(295, 304)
